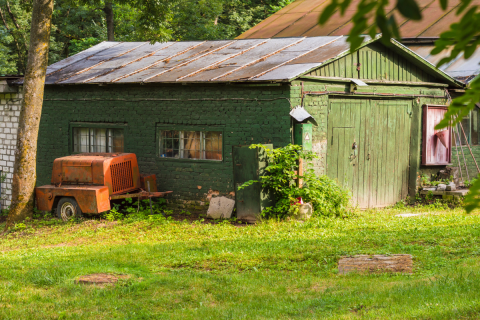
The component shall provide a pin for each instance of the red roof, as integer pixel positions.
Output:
(300, 19)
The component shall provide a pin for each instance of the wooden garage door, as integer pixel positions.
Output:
(368, 149)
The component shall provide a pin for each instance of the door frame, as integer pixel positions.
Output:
(415, 127)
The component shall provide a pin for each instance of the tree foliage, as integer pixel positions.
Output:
(80, 24)
(463, 38)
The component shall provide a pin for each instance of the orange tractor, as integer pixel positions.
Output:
(86, 183)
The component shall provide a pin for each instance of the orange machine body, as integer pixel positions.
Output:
(92, 179)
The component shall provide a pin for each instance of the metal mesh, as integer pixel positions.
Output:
(122, 176)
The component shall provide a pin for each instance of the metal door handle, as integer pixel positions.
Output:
(368, 156)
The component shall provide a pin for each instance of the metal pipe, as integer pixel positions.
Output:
(373, 94)
(463, 155)
(150, 198)
(458, 157)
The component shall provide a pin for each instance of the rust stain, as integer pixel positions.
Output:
(99, 63)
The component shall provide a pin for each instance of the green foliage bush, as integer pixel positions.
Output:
(325, 195)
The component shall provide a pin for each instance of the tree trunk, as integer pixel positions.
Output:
(24, 171)
(109, 16)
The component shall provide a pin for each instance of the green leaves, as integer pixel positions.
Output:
(409, 9)
(328, 12)
(472, 199)
(372, 18)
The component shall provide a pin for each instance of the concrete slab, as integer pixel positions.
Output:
(220, 208)
(461, 192)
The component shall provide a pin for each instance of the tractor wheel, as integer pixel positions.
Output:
(68, 208)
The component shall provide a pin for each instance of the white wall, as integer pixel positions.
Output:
(10, 104)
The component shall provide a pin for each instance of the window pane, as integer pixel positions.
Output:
(116, 142)
(191, 145)
(81, 139)
(475, 120)
(99, 140)
(213, 145)
(466, 127)
(170, 144)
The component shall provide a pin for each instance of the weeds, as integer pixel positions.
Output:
(281, 174)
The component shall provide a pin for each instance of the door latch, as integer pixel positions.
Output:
(354, 146)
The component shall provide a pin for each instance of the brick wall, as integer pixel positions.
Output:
(245, 122)
(472, 168)
(10, 104)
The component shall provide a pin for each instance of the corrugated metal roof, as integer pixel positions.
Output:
(300, 18)
(460, 68)
(227, 60)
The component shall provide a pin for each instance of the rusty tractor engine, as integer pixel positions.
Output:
(85, 183)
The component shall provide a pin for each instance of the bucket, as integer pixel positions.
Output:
(443, 137)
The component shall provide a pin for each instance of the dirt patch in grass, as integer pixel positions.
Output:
(102, 279)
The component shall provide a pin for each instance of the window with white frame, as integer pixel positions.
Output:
(188, 144)
(98, 140)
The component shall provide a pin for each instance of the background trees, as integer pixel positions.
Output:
(80, 24)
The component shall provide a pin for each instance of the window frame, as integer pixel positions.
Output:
(163, 127)
(96, 125)
(469, 130)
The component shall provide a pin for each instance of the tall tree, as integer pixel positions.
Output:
(108, 9)
(24, 173)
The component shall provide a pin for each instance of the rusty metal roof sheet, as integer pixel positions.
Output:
(222, 61)
(300, 19)
(277, 59)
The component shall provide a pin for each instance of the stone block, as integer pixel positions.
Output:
(305, 212)
(396, 263)
(451, 187)
(441, 187)
(220, 208)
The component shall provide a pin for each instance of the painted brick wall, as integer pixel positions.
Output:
(10, 104)
(264, 120)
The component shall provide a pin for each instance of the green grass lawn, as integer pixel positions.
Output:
(273, 270)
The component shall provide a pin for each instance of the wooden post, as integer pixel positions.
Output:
(300, 172)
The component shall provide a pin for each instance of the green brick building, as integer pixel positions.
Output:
(183, 107)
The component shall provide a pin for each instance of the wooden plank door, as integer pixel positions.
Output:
(390, 158)
(376, 171)
(342, 149)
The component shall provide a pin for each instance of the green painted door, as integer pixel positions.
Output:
(368, 149)
(249, 164)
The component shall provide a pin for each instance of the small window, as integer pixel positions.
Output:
(98, 140)
(187, 144)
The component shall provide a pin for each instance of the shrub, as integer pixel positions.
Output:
(326, 197)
